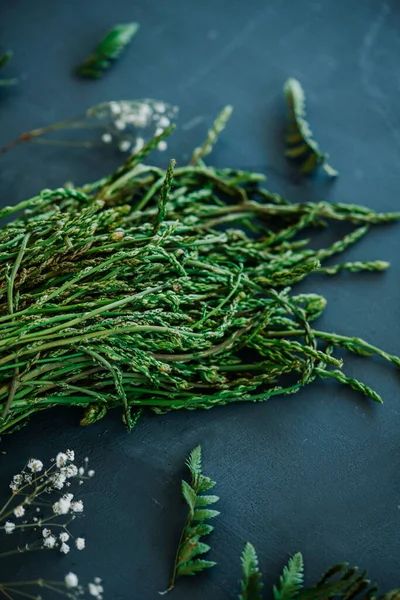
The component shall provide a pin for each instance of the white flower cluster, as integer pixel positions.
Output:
(125, 117)
(66, 504)
(95, 589)
(30, 486)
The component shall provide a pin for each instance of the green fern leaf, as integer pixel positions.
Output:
(206, 500)
(300, 144)
(251, 585)
(393, 595)
(4, 60)
(190, 549)
(203, 514)
(205, 484)
(195, 566)
(190, 545)
(341, 582)
(200, 530)
(108, 50)
(291, 580)
(194, 462)
(189, 494)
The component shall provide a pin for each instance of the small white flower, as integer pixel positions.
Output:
(50, 542)
(61, 459)
(62, 506)
(35, 519)
(124, 145)
(86, 459)
(161, 146)
(106, 138)
(120, 124)
(138, 144)
(91, 473)
(16, 482)
(64, 548)
(80, 543)
(159, 107)
(95, 589)
(71, 580)
(159, 131)
(70, 454)
(46, 532)
(97, 580)
(9, 527)
(19, 511)
(68, 497)
(35, 465)
(64, 537)
(115, 108)
(77, 506)
(70, 471)
(81, 471)
(58, 481)
(164, 122)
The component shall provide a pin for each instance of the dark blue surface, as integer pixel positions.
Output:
(317, 472)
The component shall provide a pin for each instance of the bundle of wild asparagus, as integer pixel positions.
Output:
(165, 289)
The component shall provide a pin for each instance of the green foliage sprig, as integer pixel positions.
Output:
(212, 135)
(338, 582)
(301, 145)
(4, 60)
(190, 546)
(108, 50)
(138, 292)
(251, 585)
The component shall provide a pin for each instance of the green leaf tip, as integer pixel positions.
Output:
(300, 144)
(251, 585)
(212, 136)
(108, 50)
(291, 580)
(194, 462)
(4, 60)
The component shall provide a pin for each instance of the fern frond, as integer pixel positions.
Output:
(339, 582)
(108, 50)
(190, 545)
(299, 140)
(291, 580)
(393, 595)
(194, 462)
(251, 585)
(343, 582)
(4, 60)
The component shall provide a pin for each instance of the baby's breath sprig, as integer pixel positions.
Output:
(123, 124)
(37, 504)
(70, 587)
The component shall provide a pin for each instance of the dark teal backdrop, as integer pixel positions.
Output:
(316, 472)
